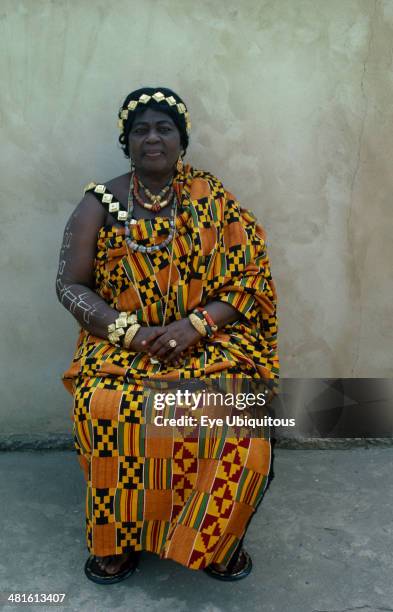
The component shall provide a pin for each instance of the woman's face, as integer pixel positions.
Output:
(154, 143)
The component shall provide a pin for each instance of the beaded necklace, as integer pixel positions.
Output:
(132, 244)
(156, 201)
(156, 206)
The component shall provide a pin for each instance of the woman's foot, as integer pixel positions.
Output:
(112, 568)
(112, 564)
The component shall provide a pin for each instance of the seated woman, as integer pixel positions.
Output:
(169, 280)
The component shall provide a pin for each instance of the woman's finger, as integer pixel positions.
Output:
(175, 364)
(156, 333)
(169, 353)
(160, 346)
(165, 352)
(176, 356)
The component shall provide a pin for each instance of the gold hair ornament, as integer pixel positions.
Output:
(158, 97)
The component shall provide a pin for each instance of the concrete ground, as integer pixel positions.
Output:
(321, 540)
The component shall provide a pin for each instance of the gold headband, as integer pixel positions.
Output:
(158, 97)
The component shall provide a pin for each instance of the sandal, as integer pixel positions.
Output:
(229, 575)
(94, 572)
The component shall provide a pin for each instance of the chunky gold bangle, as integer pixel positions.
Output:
(130, 334)
(197, 323)
(117, 329)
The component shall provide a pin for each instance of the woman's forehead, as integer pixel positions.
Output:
(151, 115)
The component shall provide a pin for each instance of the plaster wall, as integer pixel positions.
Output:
(290, 102)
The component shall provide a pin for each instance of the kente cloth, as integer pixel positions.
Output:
(186, 498)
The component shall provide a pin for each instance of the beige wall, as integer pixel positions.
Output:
(291, 105)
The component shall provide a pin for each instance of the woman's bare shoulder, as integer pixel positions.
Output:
(92, 193)
(89, 208)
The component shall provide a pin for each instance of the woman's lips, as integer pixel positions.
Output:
(153, 154)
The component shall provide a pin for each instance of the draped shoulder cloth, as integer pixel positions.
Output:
(219, 253)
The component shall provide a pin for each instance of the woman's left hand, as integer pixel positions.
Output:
(181, 332)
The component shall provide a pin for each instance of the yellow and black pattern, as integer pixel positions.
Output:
(186, 498)
(219, 253)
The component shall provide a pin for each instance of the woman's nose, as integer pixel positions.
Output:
(152, 136)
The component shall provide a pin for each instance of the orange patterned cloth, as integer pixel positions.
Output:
(185, 498)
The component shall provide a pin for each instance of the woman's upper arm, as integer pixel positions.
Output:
(78, 249)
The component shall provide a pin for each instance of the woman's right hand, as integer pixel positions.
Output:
(144, 336)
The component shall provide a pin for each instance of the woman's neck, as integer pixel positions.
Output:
(154, 183)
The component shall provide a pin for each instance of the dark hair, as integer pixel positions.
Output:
(179, 119)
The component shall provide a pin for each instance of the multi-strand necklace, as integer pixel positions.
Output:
(155, 205)
(134, 246)
(156, 202)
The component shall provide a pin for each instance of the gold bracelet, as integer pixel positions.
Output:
(117, 329)
(130, 334)
(197, 323)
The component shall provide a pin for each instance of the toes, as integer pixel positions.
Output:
(102, 563)
(111, 568)
(110, 564)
